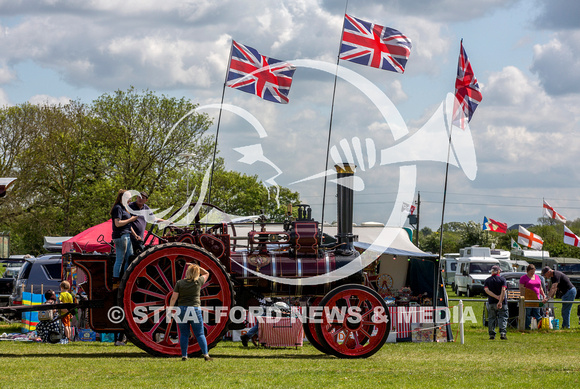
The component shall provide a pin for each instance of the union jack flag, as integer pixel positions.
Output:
(373, 45)
(254, 73)
(466, 90)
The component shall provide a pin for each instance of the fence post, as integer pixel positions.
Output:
(461, 333)
(522, 313)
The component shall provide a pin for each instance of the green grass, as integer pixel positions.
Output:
(529, 359)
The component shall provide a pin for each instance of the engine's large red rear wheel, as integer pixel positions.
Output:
(355, 322)
(146, 290)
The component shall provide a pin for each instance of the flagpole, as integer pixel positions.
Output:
(437, 285)
(445, 185)
(330, 125)
(218, 123)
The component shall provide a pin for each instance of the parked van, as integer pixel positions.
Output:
(449, 265)
(37, 275)
(473, 268)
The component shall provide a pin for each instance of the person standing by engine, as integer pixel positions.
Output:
(187, 295)
(495, 287)
(122, 220)
(66, 298)
(138, 226)
(561, 283)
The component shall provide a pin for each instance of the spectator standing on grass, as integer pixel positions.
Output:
(187, 295)
(66, 298)
(560, 282)
(495, 287)
(531, 288)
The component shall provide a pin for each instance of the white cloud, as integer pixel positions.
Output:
(49, 100)
(4, 99)
(558, 14)
(6, 75)
(555, 63)
(520, 130)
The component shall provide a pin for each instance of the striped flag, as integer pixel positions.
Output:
(552, 214)
(571, 238)
(529, 239)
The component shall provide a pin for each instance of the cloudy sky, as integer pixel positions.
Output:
(525, 55)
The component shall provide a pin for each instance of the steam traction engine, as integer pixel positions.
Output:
(270, 263)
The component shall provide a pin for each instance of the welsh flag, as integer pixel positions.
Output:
(529, 239)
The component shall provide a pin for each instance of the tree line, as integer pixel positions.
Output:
(71, 159)
(457, 235)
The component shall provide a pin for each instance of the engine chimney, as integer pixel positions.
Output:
(344, 194)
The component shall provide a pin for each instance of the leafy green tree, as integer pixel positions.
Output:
(146, 136)
(431, 242)
(70, 161)
(240, 194)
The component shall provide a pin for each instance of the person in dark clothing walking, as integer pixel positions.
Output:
(495, 287)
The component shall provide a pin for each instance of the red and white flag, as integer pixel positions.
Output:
(552, 214)
(571, 238)
(529, 239)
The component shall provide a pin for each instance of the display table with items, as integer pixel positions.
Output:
(411, 313)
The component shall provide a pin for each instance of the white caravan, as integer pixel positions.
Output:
(473, 268)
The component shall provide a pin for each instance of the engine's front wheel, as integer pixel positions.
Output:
(146, 290)
(355, 322)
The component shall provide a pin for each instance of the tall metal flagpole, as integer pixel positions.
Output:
(218, 123)
(438, 283)
(330, 125)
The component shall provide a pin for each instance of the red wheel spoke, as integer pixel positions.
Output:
(150, 293)
(337, 331)
(347, 299)
(156, 325)
(367, 313)
(365, 333)
(156, 284)
(166, 337)
(148, 304)
(162, 275)
(218, 296)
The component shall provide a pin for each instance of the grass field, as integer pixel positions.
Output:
(528, 359)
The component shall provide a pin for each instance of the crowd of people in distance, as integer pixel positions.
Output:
(531, 288)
